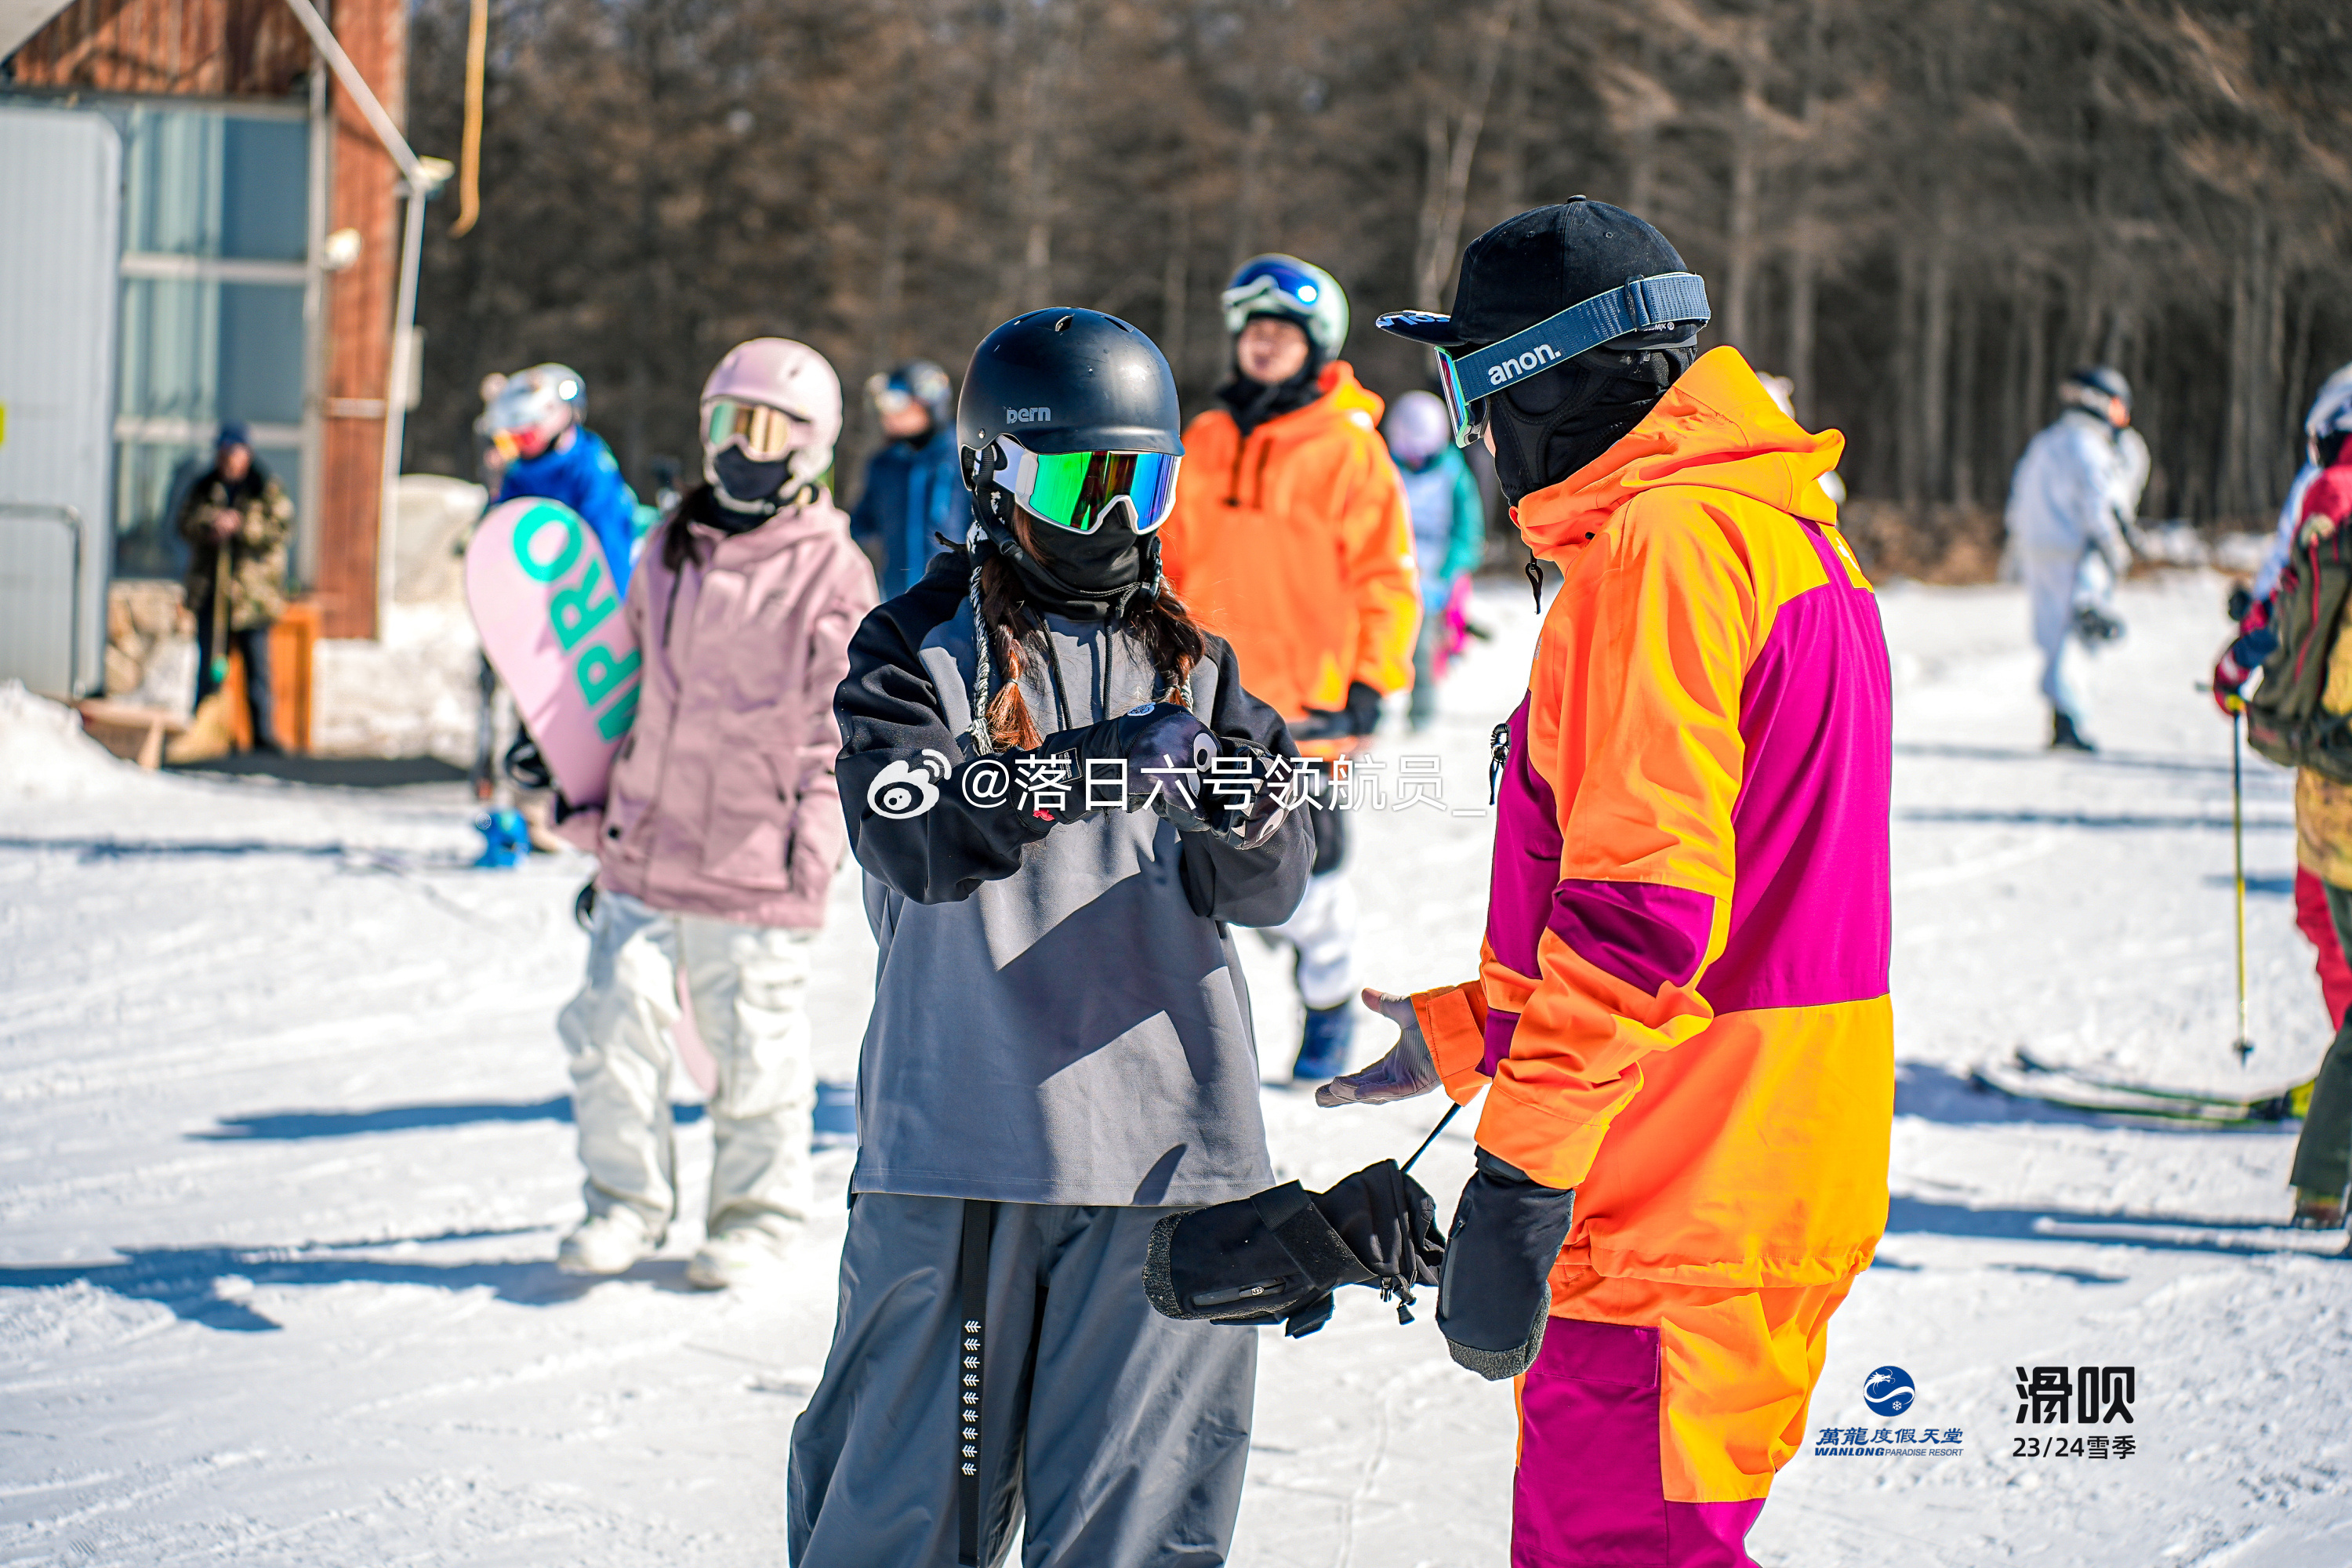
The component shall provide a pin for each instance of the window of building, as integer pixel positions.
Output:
(214, 233)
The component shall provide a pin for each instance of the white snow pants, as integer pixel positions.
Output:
(1323, 930)
(2056, 580)
(748, 985)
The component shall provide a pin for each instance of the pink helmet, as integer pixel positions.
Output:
(774, 373)
(1416, 427)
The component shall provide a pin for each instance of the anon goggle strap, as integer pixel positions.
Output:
(1666, 299)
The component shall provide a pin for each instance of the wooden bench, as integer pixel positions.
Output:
(134, 733)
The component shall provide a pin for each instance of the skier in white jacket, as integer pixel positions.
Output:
(2071, 505)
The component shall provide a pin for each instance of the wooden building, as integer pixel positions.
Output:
(248, 176)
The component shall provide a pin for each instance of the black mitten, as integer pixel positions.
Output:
(1496, 1294)
(1276, 1256)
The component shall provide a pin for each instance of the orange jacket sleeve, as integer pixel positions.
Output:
(1376, 534)
(1642, 711)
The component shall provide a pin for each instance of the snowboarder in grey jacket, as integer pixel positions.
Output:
(1061, 795)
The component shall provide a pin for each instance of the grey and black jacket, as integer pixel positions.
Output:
(1059, 1014)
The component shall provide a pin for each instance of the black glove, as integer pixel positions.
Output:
(1183, 771)
(1361, 716)
(1246, 795)
(1275, 1256)
(525, 765)
(1494, 1294)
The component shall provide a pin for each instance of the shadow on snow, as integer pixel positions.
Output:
(2154, 1233)
(283, 1126)
(1957, 752)
(1935, 1093)
(2111, 821)
(190, 1280)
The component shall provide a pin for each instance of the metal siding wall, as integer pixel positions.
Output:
(57, 293)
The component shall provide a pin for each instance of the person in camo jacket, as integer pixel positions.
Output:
(237, 519)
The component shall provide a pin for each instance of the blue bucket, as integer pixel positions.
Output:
(834, 1124)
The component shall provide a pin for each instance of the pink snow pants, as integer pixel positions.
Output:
(1589, 1491)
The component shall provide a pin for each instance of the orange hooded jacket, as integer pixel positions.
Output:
(1296, 547)
(1682, 996)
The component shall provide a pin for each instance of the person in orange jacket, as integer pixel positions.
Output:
(1291, 539)
(1681, 1019)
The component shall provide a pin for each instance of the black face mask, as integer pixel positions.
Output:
(1086, 576)
(1549, 426)
(751, 487)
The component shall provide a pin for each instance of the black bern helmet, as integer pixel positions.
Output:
(1066, 380)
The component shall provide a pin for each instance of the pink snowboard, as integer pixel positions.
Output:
(550, 617)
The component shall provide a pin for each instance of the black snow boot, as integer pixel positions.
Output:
(2065, 737)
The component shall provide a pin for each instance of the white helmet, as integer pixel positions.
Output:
(772, 400)
(1416, 427)
(533, 407)
(2331, 411)
(1292, 291)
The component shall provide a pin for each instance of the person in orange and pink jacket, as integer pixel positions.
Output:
(1681, 1019)
(720, 830)
(1292, 539)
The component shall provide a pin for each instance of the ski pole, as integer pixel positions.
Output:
(1432, 1138)
(2244, 1046)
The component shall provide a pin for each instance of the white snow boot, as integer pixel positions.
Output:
(606, 1244)
(739, 1256)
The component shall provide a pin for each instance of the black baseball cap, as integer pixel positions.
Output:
(1531, 268)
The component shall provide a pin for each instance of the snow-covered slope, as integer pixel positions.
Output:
(284, 1155)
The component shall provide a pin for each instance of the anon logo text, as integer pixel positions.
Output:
(1535, 358)
(1028, 415)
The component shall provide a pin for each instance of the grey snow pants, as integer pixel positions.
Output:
(1120, 1434)
(2322, 1154)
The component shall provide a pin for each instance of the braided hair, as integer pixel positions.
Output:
(1003, 620)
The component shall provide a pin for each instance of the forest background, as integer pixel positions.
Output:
(1923, 211)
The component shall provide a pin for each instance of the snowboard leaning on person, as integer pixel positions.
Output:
(1449, 536)
(533, 421)
(1059, 1053)
(1681, 1019)
(2316, 570)
(2071, 504)
(914, 493)
(719, 833)
(1291, 540)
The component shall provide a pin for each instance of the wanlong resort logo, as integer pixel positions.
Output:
(1889, 1391)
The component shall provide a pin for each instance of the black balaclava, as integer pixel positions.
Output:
(1527, 270)
(739, 480)
(1549, 426)
(1084, 577)
(1253, 402)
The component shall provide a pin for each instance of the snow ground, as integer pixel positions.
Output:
(284, 1157)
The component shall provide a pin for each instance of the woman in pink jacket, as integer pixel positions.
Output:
(721, 829)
